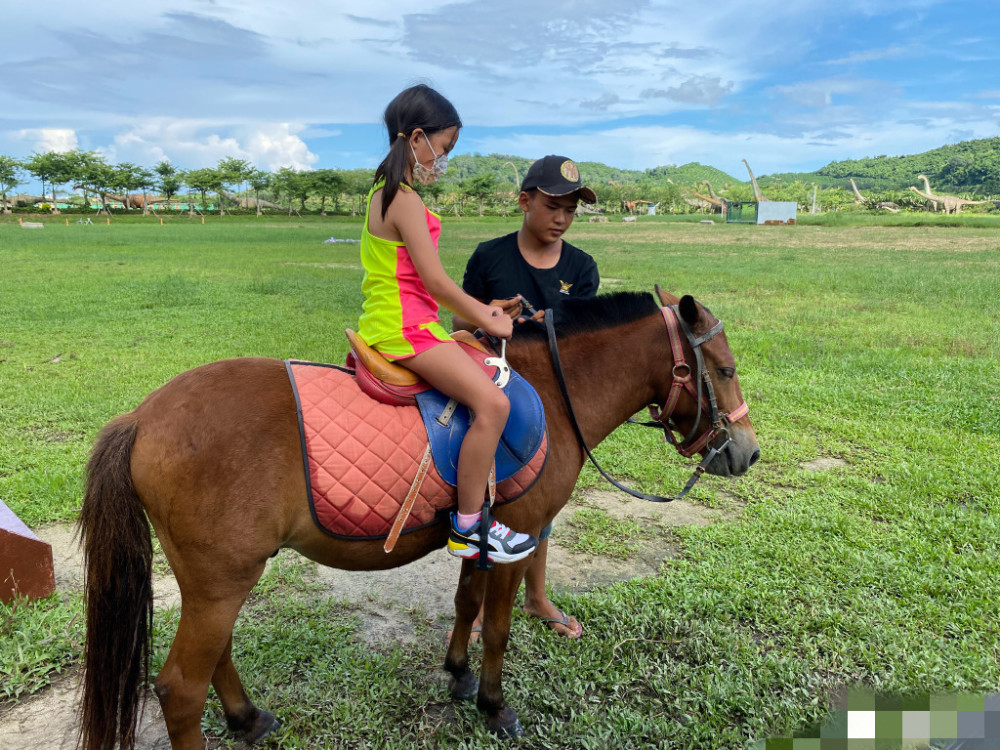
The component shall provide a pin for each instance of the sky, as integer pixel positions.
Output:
(788, 86)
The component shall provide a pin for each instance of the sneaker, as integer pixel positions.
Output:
(505, 546)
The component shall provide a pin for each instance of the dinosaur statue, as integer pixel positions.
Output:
(711, 192)
(21, 201)
(952, 203)
(884, 205)
(932, 199)
(718, 205)
(249, 202)
(758, 196)
(137, 200)
(700, 202)
(583, 208)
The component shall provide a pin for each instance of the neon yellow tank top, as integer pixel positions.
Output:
(395, 296)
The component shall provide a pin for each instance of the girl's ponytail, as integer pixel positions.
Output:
(419, 106)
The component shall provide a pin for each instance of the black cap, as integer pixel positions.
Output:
(558, 176)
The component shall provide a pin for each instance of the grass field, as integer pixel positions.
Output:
(874, 344)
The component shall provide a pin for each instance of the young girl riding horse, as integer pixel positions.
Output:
(403, 285)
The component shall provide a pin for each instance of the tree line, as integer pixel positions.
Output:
(473, 183)
(481, 184)
(130, 185)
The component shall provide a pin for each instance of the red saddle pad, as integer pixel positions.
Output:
(361, 456)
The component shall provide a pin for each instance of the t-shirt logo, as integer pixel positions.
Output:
(564, 287)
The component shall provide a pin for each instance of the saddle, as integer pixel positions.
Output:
(447, 421)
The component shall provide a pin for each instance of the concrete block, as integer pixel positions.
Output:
(25, 560)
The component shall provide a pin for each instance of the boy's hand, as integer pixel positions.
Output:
(511, 307)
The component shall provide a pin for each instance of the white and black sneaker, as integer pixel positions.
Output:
(505, 545)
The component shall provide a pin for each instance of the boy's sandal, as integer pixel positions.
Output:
(563, 620)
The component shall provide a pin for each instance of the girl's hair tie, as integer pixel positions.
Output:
(401, 135)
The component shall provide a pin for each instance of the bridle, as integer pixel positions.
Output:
(719, 423)
(662, 415)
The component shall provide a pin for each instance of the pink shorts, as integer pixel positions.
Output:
(412, 341)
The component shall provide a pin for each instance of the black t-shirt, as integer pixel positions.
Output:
(497, 270)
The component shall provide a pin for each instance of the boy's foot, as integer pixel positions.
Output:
(561, 623)
(505, 545)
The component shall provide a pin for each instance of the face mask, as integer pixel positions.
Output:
(426, 176)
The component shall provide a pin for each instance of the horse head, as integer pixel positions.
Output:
(699, 397)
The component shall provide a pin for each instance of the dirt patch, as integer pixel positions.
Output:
(393, 605)
(67, 562)
(823, 464)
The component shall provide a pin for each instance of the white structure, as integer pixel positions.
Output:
(776, 212)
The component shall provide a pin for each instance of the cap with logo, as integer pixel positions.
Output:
(557, 176)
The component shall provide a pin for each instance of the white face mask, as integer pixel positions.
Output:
(424, 175)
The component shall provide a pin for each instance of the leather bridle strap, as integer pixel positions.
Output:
(689, 446)
(560, 378)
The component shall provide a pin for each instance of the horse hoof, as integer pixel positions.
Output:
(507, 726)
(465, 688)
(265, 725)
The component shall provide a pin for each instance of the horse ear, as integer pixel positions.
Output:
(689, 309)
(664, 297)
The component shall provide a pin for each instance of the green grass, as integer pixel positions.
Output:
(866, 340)
(594, 532)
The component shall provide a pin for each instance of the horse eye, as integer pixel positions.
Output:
(727, 372)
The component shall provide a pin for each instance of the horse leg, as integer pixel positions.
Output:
(249, 723)
(505, 580)
(468, 599)
(203, 636)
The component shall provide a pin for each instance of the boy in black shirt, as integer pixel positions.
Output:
(535, 262)
(535, 267)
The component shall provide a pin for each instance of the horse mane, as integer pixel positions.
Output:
(577, 316)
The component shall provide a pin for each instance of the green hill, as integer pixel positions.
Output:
(467, 166)
(967, 167)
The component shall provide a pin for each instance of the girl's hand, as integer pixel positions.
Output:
(498, 323)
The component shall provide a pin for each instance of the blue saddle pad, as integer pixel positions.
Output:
(520, 441)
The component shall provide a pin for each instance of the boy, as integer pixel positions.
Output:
(535, 267)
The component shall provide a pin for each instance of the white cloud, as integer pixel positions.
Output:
(705, 90)
(204, 79)
(893, 52)
(278, 145)
(822, 92)
(195, 143)
(60, 140)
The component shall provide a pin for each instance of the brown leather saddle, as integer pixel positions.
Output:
(394, 384)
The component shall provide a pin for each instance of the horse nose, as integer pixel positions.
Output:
(754, 456)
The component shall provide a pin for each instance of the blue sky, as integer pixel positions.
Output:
(788, 85)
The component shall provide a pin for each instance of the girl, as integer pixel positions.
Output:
(403, 285)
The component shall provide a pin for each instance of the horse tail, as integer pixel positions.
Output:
(118, 553)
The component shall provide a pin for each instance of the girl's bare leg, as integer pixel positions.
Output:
(448, 368)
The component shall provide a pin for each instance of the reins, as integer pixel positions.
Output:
(661, 415)
(557, 365)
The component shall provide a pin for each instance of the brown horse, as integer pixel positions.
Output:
(213, 460)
